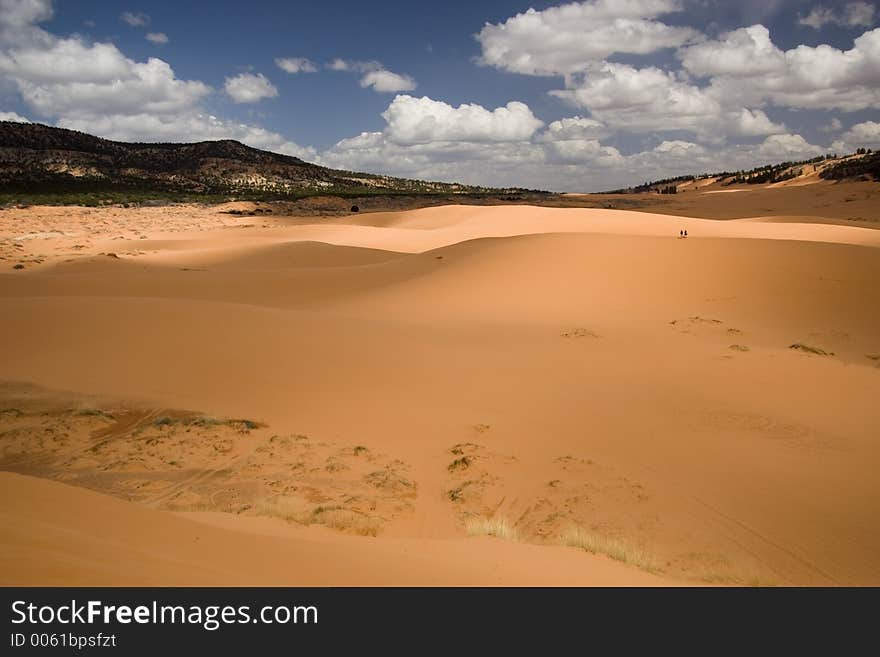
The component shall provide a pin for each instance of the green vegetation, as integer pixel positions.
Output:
(95, 198)
(98, 172)
(664, 186)
(864, 167)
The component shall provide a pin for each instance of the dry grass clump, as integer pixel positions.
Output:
(206, 421)
(92, 412)
(459, 493)
(462, 463)
(390, 480)
(332, 516)
(346, 520)
(579, 332)
(726, 579)
(497, 527)
(284, 508)
(799, 346)
(615, 548)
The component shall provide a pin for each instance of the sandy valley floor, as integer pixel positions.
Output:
(227, 399)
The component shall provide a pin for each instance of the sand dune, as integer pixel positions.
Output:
(420, 371)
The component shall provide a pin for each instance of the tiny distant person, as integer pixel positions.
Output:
(681, 233)
(685, 233)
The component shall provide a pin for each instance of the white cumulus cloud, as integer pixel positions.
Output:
(568, 38)
(249, 88)
(135, 19)
(575, 127)
(387, 82)
(24, 13)
(788, 146)
(624, 97)
(159, 38)
(862, 135)
(73, 77)
(95, 88)
(12, 116)
(853, 14)
(746, 67)
(296, 65)
(745, 52)
(422, 120)
(374, 75)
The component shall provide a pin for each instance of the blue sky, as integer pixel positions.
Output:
(569, 96)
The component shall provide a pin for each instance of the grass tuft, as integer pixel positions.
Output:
(615, 548)
(497, 527)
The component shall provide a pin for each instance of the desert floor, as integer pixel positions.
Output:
(191, 396)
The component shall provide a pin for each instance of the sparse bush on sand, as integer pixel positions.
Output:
(204, 421)
(799, 346)
(332, 516)
(462, 463)
(93, 412)
(244, 425)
